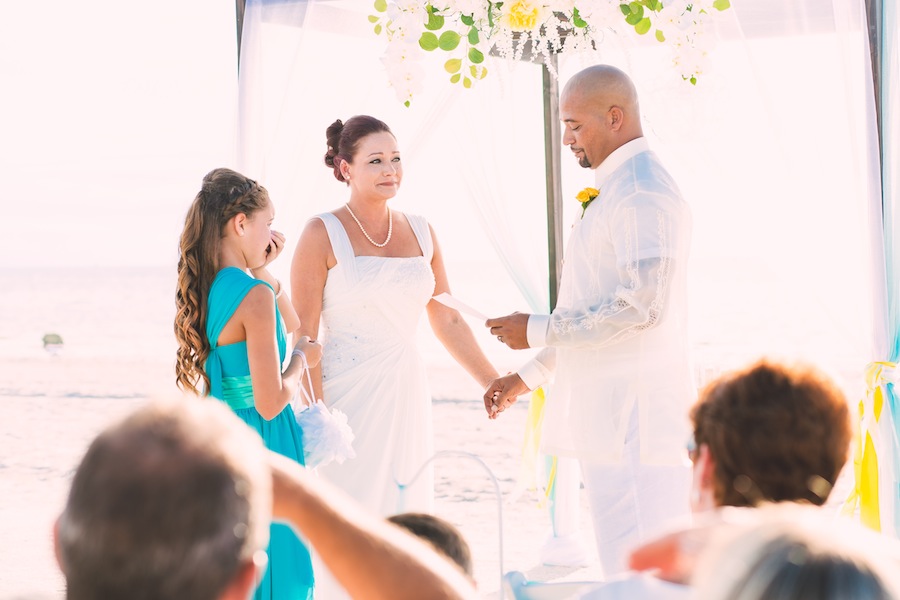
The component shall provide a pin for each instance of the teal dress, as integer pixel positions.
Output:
(288, 574)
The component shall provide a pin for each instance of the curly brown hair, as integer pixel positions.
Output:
(223, 195)
(774, 433)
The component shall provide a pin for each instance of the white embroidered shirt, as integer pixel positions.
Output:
(618, 335)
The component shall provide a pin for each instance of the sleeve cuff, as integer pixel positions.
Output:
(534, 374)
(536, 330)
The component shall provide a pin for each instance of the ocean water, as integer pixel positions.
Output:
(116, 324)
(117, 329)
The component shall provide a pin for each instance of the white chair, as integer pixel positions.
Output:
(517, 587)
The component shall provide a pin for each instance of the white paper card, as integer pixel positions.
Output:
(448, 300)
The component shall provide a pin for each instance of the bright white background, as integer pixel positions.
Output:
(111, 113)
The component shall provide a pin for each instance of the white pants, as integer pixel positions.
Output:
(631, 502)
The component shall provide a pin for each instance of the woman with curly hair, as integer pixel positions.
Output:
(232, 323)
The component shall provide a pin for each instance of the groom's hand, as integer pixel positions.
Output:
(502, 393)
(511, 330)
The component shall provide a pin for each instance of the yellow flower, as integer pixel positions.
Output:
(586, 196)
(523, 15)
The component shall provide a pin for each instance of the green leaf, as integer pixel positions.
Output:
(435, 21)
(721, 4)
(473, 36)
(428, 41)
(449, 40)
(373, 19)
(477, 72)
(475, 56)
(381, 5)
(643, 26)
(659, 36)
(378, 29)
(625, 10)
(636, 13)
(467, 83)
(467, 20)
(693, 80)
(406, 104)
(453, 65)
(577, 20)
(455, 78)
(654, 5)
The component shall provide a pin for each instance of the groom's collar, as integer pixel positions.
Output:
(618, 157)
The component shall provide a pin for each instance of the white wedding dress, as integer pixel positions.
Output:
(373, 373)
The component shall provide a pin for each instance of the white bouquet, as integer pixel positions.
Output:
(326, 434)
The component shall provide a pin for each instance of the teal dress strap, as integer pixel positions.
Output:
(228, 290)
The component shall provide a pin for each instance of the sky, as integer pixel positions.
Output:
(110, 113)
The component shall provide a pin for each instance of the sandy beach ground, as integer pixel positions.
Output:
(44, 435)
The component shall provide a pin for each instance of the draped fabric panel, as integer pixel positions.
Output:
(890, 179)
(775, 149)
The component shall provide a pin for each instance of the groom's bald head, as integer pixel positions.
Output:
(599, 106)
(604, 84)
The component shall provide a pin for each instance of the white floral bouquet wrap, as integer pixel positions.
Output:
(327, 436)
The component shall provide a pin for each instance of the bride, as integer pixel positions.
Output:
(367, 272)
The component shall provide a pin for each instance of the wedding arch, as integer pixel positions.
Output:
(788, 148)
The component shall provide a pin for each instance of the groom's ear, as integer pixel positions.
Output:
(615, 117)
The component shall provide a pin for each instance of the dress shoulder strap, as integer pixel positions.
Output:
(340, 245)
(423, 235)
(226, 294)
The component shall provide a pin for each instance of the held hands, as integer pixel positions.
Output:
(502, 393)
(511, 330)
(311, 349)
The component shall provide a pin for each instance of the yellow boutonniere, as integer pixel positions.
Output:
(586, 196)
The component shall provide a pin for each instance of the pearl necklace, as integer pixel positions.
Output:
(366, 233)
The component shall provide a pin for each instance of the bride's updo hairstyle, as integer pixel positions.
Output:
(343, 139)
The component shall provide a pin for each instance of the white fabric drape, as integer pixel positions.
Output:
(773, 149)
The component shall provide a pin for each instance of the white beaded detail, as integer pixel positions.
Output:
(366, 233)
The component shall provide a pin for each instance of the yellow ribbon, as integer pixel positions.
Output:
(531, 447)
(864, 494)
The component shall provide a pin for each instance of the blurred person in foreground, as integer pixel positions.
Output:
(446, 539)
(791, 552)
(770, 433)
(175, 501)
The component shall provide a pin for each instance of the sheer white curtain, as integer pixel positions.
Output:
(303, 65)
(773, 149)
(776, 151)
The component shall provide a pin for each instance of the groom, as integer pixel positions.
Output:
(615, 345)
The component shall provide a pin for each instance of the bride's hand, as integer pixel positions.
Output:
(311, 349)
